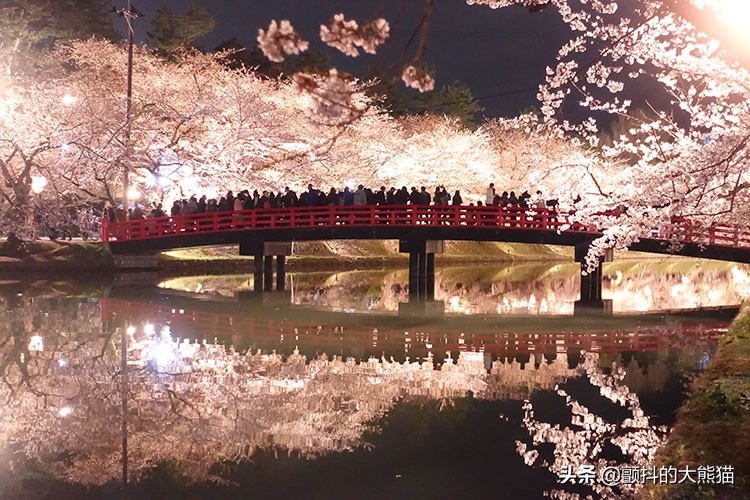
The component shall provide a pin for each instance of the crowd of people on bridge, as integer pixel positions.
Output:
(312, 197)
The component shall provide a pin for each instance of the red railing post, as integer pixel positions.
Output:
(105, 229)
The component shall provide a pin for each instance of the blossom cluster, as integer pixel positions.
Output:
(346, 36)
(280, 39)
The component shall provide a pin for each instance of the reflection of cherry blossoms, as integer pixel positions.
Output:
(583, 442)
(528, 289)
(196, 404)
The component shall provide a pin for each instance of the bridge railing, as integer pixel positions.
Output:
(187, 322)
(683, 230)
(680, 229)
(336, 216)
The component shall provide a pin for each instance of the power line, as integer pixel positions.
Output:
(485, 97)
(505, 94)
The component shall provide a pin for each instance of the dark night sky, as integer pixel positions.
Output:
(494, 51)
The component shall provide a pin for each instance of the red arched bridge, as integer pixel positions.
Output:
(421, 230)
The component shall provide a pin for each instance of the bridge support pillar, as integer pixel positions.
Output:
(268, 273)
(413, 276)
(591, 301)
(421, 267)
(258, 272)
(263, 253)
(280, 272)
(430, 276)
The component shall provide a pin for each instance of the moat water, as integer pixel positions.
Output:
(325, 391)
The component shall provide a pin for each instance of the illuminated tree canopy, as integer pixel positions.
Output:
(201, 128)
(686, 156)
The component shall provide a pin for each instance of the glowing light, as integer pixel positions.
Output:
(163, 354)
(130, 330)
(38, 183)
(733, 12)
(148, 329)
(65, 411)
(69, 99)
(36, 344)
(133, 193)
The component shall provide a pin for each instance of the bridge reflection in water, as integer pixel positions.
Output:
(195, 401)
(311, 331)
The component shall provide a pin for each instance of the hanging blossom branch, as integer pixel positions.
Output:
(417, 78)
(335, 98)
(413, 75)
(280, 38)
(582, 442)
(346, 36)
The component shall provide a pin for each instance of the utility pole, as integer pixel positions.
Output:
(124, 332)
(129, 14)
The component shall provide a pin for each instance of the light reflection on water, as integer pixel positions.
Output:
(536, 289)
(201, 392)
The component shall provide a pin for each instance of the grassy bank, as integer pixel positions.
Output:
(713, 426)
(74, 256)
(50, 256)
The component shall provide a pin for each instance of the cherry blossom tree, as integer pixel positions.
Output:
(198, 127)
(195, 125)
(687, 155)
(534, 155)
(32, 143)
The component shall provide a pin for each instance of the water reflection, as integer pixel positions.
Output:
(250, 325)
(537, 289)
(195, 402)
(583, 440)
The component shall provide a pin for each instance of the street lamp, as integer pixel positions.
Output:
(129, 14)
(133, 193)
(38, 183)
(69, 99)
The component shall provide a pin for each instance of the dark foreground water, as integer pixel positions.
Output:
(325, 392)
